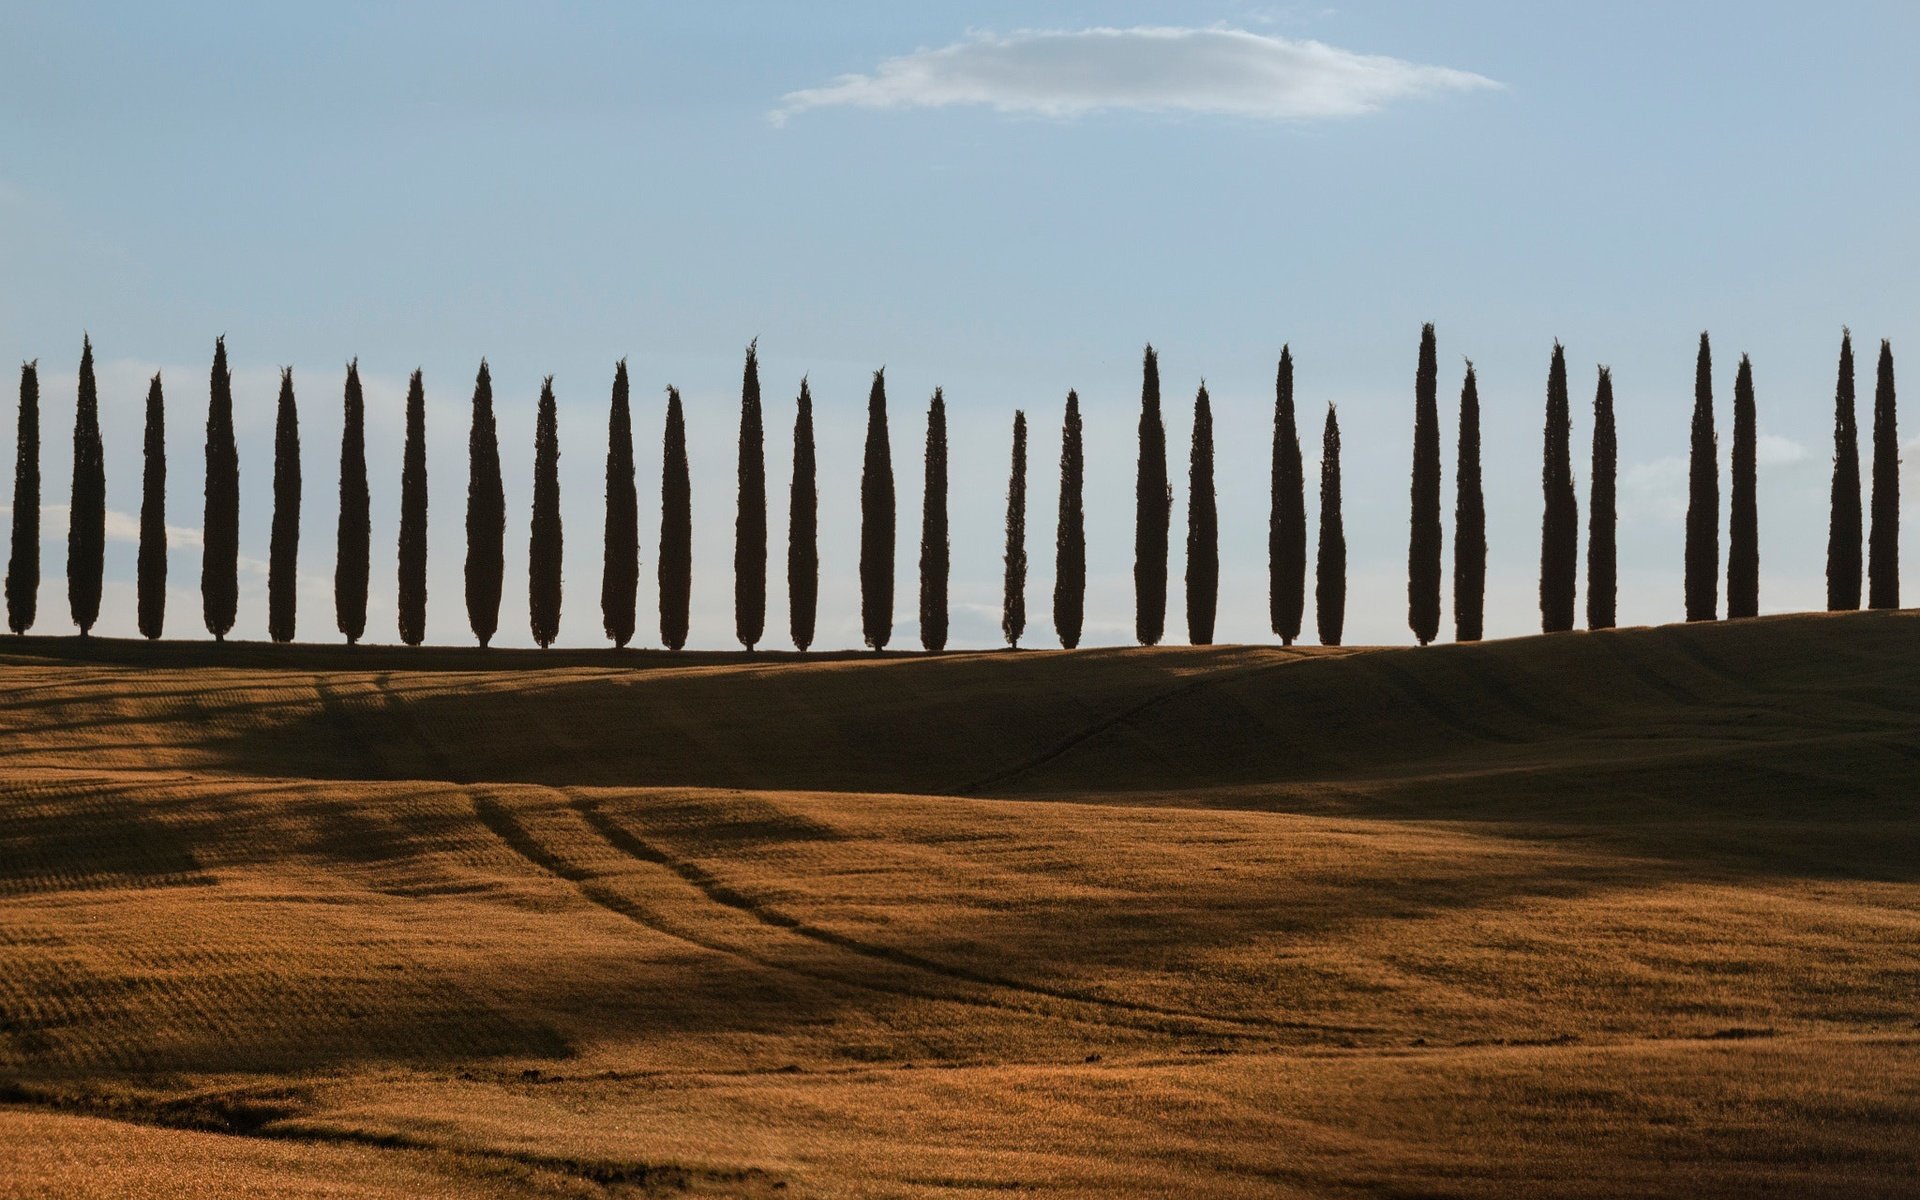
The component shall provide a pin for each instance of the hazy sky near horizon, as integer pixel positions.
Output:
(1003, 200)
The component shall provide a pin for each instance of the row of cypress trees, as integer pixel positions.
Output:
(1287, 531)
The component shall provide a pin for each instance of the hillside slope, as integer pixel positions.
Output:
(1585, 915)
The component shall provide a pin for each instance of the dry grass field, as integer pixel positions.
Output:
(1634, 913)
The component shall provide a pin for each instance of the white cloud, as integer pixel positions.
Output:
(1772, 450)
(1222, 72)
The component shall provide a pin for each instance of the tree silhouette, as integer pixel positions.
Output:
(1424, 538)
(220, 528)
(544, 542)
(1330, 568)
(1469, 521)
(1703, 497)
(935, 552)
(23, 559)
(1843, 528)
(1743, 518)
(676, 528)
(1560, 523)
(486, 513)
(1602, 571)
(750, 522)
(876, 522)
(87, 516)
(1287, 517)
(1013, 607)
(151, 578)
(355, 526)
(1203, 527)
(1883, 537)
(413, 517)
(1153, 507)
(803, 518)
(283, 554)
(1070, 537)
(620, 565)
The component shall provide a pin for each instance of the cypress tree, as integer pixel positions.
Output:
(935, 551)
(620, 569)
(1602, 571)
(23, 560)
(355, 526)
(1070, 538)
(413, 518)
(1743, 518)
(876, 522)
(151, 598)
(1560, 524)
(1287, 518)
(750, 519)
(544, 537)
(1883, 537)
(676, 528)
(803, 518)
(1703, 497)
(1330, 582)
(220, 560)
(87, 518)
(1013, 605)
(1203, 527)
(1153, 506)
(486, 513)
(1843, 528)
(283, 554)
(1424, 538)
(1469, 521)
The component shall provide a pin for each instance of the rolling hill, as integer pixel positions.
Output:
(1586, 915)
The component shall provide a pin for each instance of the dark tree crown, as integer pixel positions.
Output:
(1287, 518)
(1013, 607)
(220, 560)
(87, 515)
(935, 551)
(1703, 497)
(750, 520)
(1469, 520)
(1602, 569)
(877, 522)
(486, 513)
(1560, 521)
(1203, 527)
(676, 528)
(1424, 538)
(1883, 537)
(1844, 523)
(544, 541)
(620, 567)
(1070, 539)
(1743, 515)
(283, 556)
(23, 561)
(355, 527)
(151, 581)
(803, 548)
(1330, 568)
(413, 517)
(1153, 506)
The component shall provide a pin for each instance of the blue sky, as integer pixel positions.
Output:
(1003, 200)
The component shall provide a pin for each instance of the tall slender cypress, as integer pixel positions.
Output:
(876, 522)
(1883, 537)
(355, 526)
(1743, 517)
(544, 543)
(1330, 567)
(1843, 527)
(1287, 516)
(750, 519)
(803, 528)
(1153, 507)
(87, 517)
(220, 529)
(23, 559)
(413, 517)
(676, 528)
(1560, 522)
(620, 563)
(1203, 527)
(1013, 607)
(1469, 521)
(935, 552)
(1603, 581)
(151, 579)
(1070, 537)
(486, 513)
(1424, 537)
(1703, 497)
(283, 554)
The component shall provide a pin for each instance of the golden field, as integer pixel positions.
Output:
(1634, 913)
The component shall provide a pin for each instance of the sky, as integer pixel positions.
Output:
(1002, 200)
